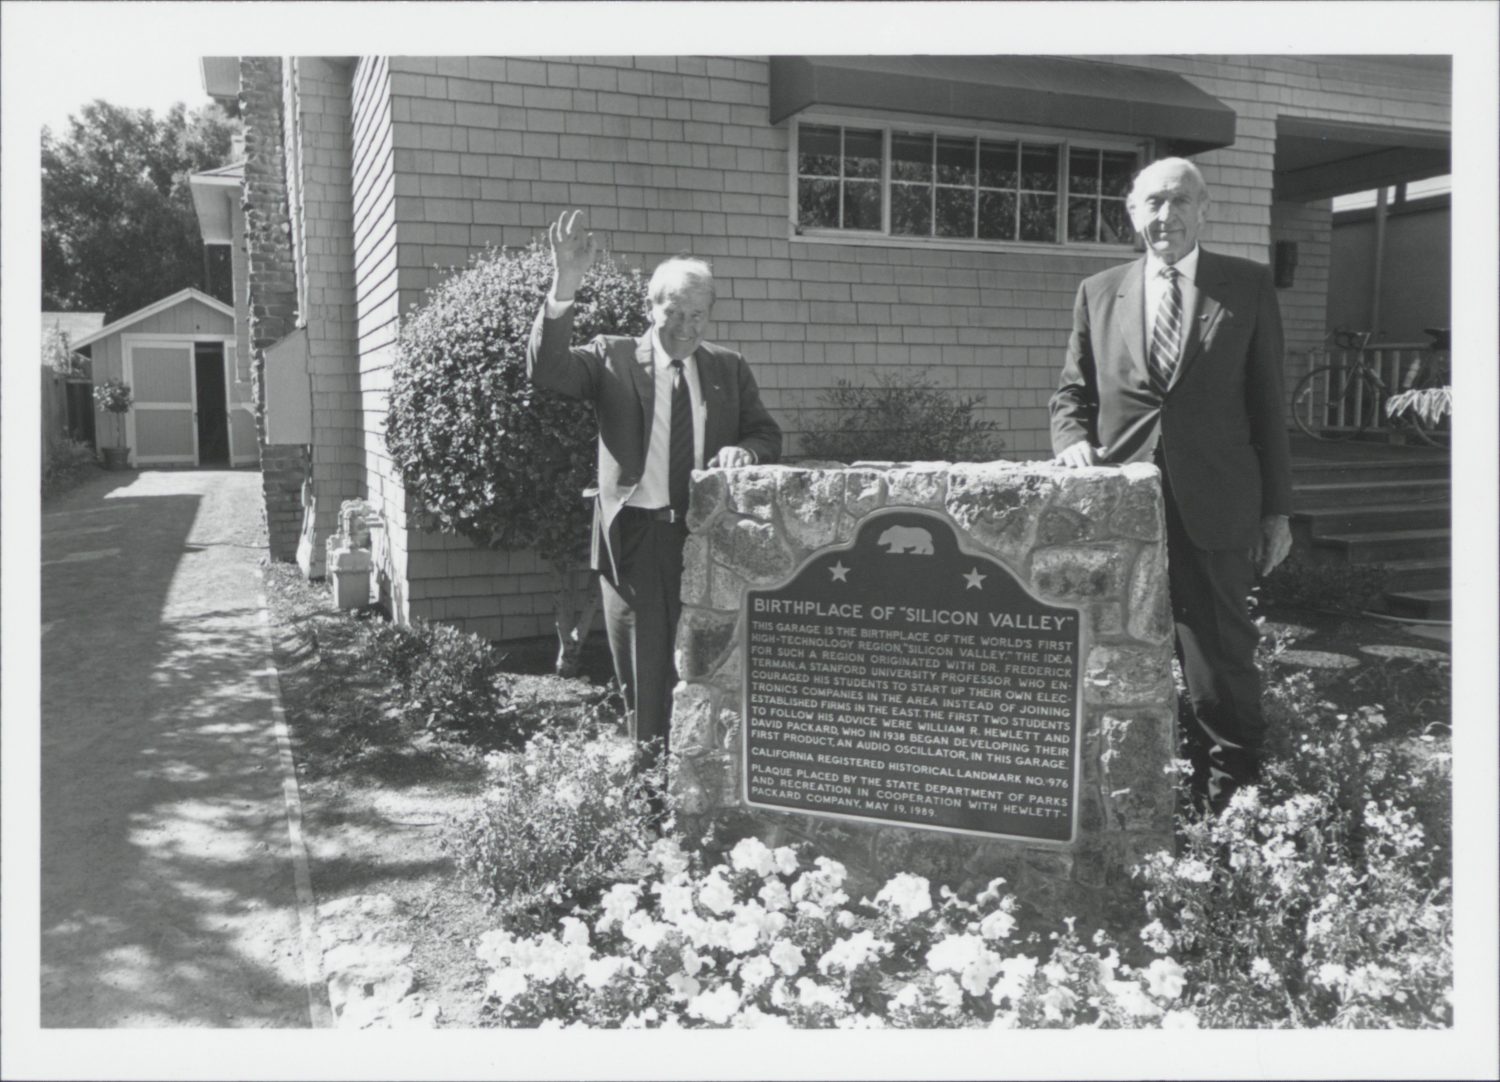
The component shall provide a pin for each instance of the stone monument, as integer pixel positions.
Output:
(957, 670)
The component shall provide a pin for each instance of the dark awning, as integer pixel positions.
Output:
(1047, 91)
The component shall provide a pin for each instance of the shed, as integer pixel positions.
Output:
(178, 357)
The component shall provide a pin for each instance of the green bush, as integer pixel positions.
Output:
(1300, 584)
(904, 417)
(448, 680)
(556, 819)
(68, 463)
(481, 451)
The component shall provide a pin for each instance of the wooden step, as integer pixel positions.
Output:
(1418, 604)
(1362, 518)
(1362, 493)
(1423, 468)
(1419, 573)
(1376, 547)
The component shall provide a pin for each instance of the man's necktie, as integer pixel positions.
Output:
(680, 449)
(1166, 335)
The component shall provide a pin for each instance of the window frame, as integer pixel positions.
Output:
(887, 124)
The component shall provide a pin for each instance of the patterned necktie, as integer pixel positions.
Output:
(1166, 335)
(680, 447)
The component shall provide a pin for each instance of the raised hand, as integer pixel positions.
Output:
(572, 253)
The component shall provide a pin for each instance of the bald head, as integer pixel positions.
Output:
(1168, 204)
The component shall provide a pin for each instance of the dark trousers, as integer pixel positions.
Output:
(1216, 640)
(640, 618)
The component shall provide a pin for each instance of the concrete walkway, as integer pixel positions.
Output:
(168, 889)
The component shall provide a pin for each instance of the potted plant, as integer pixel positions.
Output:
(113, 396)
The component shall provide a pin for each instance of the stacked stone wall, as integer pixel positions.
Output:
(1091, 539)
(272, 288)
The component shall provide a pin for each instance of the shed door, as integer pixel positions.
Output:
(163, 429)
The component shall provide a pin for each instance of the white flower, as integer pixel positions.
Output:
(1178, 1019)
(997, 925)
(845, 919)
(909, 895)
(691, 962)
(752, 855)
(717, 1005)
(1194, 871)
(860, 1021)
(953, 953)
(991, 892)
(1374, 981)
(813, 994)
(1015, 974)
(1262, 973)
(640, 929)
(683, 987)
(757, 971)
(774, 895)
(786, 957)
(1165, 978)
(675, 900)
(752, 1017)
(1133, 999)
(946, 990)
(1331, 975)
(1056, 1002)
(618, 903)
(506, 984)
(909, 998)
(574, 932)
(569, 795)
(494, 948)
(743, 936)
(849, 954)
(786, 859)
(600, 971)
(1155, 936)
(715, 894)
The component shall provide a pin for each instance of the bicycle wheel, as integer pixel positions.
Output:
(1334, 403)
(1430, 424)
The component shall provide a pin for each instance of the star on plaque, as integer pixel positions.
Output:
(839, 572)
(974, 578)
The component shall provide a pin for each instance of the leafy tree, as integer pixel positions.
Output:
(482, 452)
(118, 226)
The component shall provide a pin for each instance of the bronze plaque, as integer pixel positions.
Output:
(902, 679)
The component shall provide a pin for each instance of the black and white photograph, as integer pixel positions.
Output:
(961, 533)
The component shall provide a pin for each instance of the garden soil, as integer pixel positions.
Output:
(168, 894)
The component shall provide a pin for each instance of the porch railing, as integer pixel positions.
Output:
(1397, 365)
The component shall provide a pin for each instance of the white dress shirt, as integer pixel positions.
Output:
(1156, 289)
(653, 490)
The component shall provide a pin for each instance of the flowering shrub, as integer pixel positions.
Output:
(113, 395)
(448, 679)
(556, 820)
(905, 417)
(770, 938)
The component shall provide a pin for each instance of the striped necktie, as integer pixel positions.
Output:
(1166, 335)
(680, 447)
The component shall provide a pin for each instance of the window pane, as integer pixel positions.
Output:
(955, 161)
(997, 215)
(1119, 166)
(911, 156)
(818, 151)
(911, 210)
(1039, 168)
(1083, 172)
(861, 204)
(997, 165)
(1039, 217)
(818, 204)
(1083, 219)
(1115, 228)
(862, 153)
(955, 212)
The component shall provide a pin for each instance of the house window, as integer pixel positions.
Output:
(902, 183)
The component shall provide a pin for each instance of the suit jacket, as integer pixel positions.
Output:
(616, 375)
(1221, 424)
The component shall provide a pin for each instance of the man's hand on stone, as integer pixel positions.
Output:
(731, 457)
(1078, 454)
(572, 253)
(1274, 544)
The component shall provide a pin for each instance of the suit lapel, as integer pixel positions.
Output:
(711, 387)
(1131, 298)
(1202, 304)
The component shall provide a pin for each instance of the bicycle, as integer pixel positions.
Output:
(1338, 402)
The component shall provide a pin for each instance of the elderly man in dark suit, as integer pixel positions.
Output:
(1176, 359)
(667, 403)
